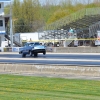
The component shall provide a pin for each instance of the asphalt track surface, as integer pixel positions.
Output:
(83, 59)
(79, 59)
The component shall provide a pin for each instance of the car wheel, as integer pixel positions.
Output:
(44, 53)
(30, 53)
(20, 52)
(35, 54)
(23, 55)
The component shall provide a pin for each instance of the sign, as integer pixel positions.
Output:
(5, 0)
(2, 32)
(97, 42)
(4, 43)
(75, 43)
(15, 49)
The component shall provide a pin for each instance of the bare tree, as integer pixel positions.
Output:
(51, 2)
(66, 2)
(96, 1)
(85, 1)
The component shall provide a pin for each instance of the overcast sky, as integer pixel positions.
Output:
(43, 1)
(57, 1)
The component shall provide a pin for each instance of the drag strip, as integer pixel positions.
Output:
(53, 59)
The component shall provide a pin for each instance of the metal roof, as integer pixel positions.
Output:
(83, 23)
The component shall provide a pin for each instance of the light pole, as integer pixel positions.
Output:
(11, 28)
(13, 22)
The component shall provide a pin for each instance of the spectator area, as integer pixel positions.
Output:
(80, 21)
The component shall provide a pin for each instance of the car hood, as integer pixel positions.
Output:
(39, 47)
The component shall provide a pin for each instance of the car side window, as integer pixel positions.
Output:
(25, 44)
(29, 44)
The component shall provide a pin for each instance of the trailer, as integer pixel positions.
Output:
(26, 37)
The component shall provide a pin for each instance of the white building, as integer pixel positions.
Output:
(3, 22)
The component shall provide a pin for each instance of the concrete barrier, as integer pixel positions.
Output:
(84, 49)
(50, 69)
(76, 49)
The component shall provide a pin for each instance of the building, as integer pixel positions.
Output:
(3, 22)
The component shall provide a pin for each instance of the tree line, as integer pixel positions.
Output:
(30, 15)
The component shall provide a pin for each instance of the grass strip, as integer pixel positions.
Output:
(15, 87)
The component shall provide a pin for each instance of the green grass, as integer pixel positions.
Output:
(14, 87)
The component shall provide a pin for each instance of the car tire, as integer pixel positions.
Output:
(44, 53)
(23, 55)
(35, 54)
(30, 53)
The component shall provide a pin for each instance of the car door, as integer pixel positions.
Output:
(26, 48)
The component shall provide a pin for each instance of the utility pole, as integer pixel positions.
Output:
(11, 28)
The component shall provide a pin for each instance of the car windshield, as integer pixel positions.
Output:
(37, 43)
(32, 44)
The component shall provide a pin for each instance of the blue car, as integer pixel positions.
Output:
(32, 48)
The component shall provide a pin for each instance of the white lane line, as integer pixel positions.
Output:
(55, 53)
(49, 59)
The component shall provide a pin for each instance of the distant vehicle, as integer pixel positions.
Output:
(31, 48)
